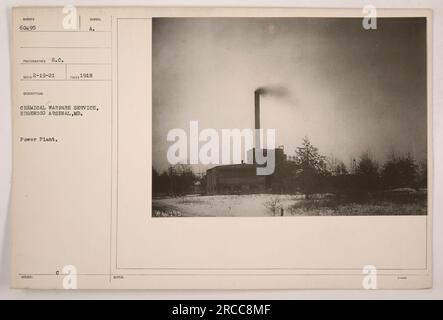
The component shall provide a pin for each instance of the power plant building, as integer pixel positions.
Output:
(243, 178)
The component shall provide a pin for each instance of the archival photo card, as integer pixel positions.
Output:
(221, 148)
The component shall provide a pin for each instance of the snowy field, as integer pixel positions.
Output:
(246, 205)
(259, 205)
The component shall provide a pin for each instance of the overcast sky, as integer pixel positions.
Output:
(350, 89)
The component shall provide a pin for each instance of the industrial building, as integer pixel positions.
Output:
(243, 178)
(235, 178)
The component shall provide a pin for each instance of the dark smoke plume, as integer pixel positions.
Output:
(276, 91)
(279, 92)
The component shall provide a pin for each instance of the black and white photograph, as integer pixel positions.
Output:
(341, 107)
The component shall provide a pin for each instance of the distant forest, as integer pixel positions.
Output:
(310, 172)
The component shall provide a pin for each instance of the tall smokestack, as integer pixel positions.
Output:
(257, 108)
(257, 121)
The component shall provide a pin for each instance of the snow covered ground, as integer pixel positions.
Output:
(246, 205)
(260, 205)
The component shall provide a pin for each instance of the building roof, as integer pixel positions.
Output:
(232, 167)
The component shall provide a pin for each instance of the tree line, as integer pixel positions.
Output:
(177, 180)
(311, 172)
